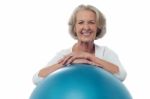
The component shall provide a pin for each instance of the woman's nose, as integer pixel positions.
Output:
(86, 26)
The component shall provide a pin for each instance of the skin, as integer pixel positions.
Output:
(83, 51)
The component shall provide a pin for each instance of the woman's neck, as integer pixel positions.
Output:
(85, 47)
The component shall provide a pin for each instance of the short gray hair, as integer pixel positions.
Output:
(100, 21)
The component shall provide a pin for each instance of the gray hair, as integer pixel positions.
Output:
(100, 21)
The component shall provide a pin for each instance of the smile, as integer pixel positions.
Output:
(86, 33)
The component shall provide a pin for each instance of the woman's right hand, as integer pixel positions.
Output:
(78, 59)
(68, 59)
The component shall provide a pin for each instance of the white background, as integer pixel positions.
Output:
(32, 31)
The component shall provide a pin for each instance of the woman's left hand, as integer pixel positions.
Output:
(84, 61)
(84, 57)
(77, 57)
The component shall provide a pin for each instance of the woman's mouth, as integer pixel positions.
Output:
(86, 33)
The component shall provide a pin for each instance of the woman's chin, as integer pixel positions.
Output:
(86, 40)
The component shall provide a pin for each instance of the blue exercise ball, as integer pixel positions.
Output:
(80, 81)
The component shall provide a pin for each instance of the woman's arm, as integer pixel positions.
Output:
(91, 60)
(112, 68)
(47, 70)
(50, 67)
(41, 74)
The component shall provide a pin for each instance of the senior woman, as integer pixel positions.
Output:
(86, 24)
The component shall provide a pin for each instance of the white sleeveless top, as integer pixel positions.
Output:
(101, 52)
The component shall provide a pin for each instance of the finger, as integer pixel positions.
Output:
(66, 59)
(90, 62)
(82, 61)
(63, 59)
(74, 57)
(71, 59)
(79, 61)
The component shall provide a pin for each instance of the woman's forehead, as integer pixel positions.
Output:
(85, 14)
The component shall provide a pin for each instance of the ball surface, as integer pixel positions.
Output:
(80, 81)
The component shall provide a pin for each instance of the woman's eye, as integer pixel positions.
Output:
(80, 23)
(92, 22)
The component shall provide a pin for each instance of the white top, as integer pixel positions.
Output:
(101, 52)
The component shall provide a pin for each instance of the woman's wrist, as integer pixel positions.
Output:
(91, 57)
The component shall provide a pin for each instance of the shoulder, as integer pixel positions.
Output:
(65, 51)
(104, 50)
(60, 54)
(107, 50)
(107, 54)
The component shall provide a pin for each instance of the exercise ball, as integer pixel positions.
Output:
(80, 81)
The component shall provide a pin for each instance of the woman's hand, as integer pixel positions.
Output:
(77, 57)
(84, 57)
(84, 61)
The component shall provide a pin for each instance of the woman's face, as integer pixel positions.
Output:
(85, 26)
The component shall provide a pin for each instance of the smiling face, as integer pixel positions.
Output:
(85, 26)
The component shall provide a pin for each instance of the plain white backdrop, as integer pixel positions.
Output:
(32, 31)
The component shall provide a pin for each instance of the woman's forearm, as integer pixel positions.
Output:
(47, 70)
(105, 65)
